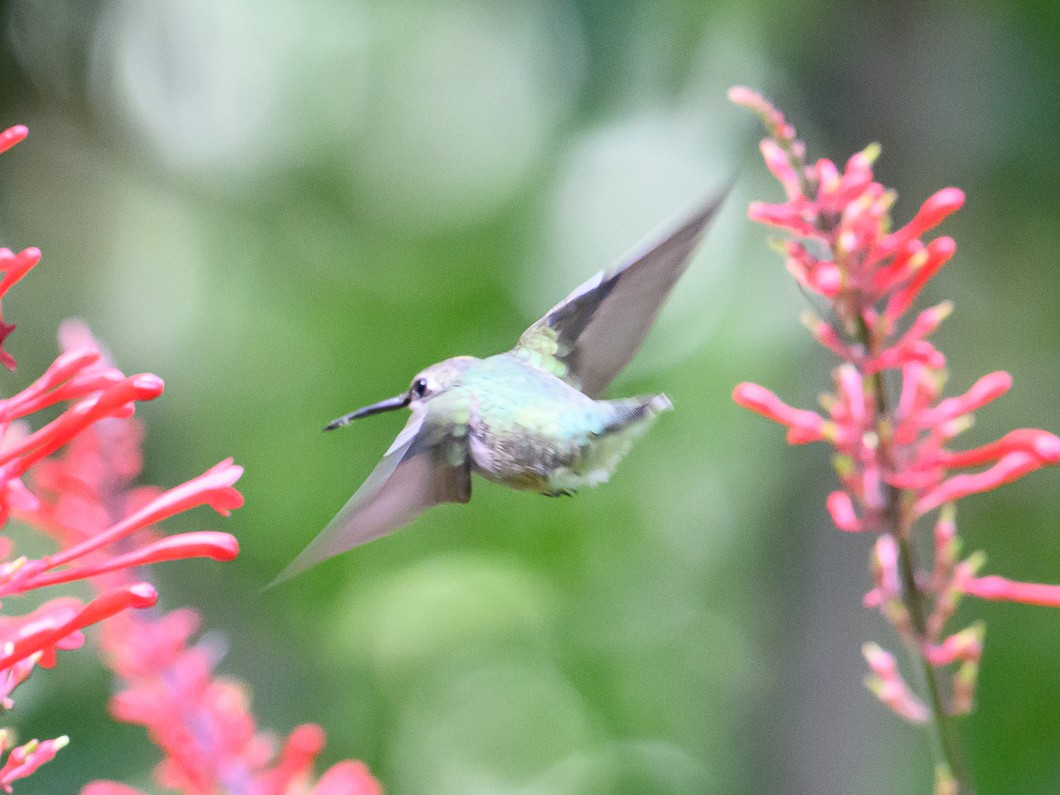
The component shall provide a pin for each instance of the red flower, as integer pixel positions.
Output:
(79, 467)
(347, 778)
(887, 684)
(202, 723)
(803, 426)
(998, 588)
(894, 459)
(12, 135)
(56, 624)
(14, 266)
(25, 759)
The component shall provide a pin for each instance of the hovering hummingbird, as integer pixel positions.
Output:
(530, 418)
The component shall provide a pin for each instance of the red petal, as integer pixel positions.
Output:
(12, 135)
(805, 426)
(998, 588)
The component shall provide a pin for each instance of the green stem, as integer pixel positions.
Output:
(946, 742)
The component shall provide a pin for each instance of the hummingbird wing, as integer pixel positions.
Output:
(416, 473)
(591, 335)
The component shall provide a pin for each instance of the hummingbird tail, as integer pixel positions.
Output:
(627, 420)
(630, 411)
(660, 403)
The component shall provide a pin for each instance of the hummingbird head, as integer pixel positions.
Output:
(438, 378)
(426, 384)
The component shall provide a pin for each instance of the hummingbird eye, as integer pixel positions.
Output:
(419, 387)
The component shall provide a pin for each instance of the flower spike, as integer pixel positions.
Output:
(890, 425)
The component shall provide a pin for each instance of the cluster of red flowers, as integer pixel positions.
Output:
(203, 723)
(894, 462)
(71, 479)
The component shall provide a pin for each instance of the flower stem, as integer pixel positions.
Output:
(946, 745)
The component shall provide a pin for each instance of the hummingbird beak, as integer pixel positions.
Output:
(399, 402)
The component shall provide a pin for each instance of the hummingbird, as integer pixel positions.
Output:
(532, 418)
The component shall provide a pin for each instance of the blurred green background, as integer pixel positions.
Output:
(286, 209)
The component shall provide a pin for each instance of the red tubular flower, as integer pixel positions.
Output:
(826, 335)
(787, 217)
(12, 135)
(841, 509)
(1012, 466)
(114, 401)
(202, 723)
(986, 390)
(838, 191)
(909, 259)
(1000, 589)
(213, 488)
(347, 778)
(803, 426)
(885, 567)
(25, 759)
(27, 632)
(79, 468)
(778, 163)
(926, 323)
(1041, 445)
(893, 462)
(823, 278)
(947, 545)
(773, 119)
(213, 545)
(14, 266)
(889, 687)
(963, 646)
(299, 753)
(904, 352)
(43, 392)
(939, 252)
(46, 638)
(931, 213)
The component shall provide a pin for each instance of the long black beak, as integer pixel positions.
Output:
(399, 402)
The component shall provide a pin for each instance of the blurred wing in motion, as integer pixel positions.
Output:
(414, 475)
(591, 335)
